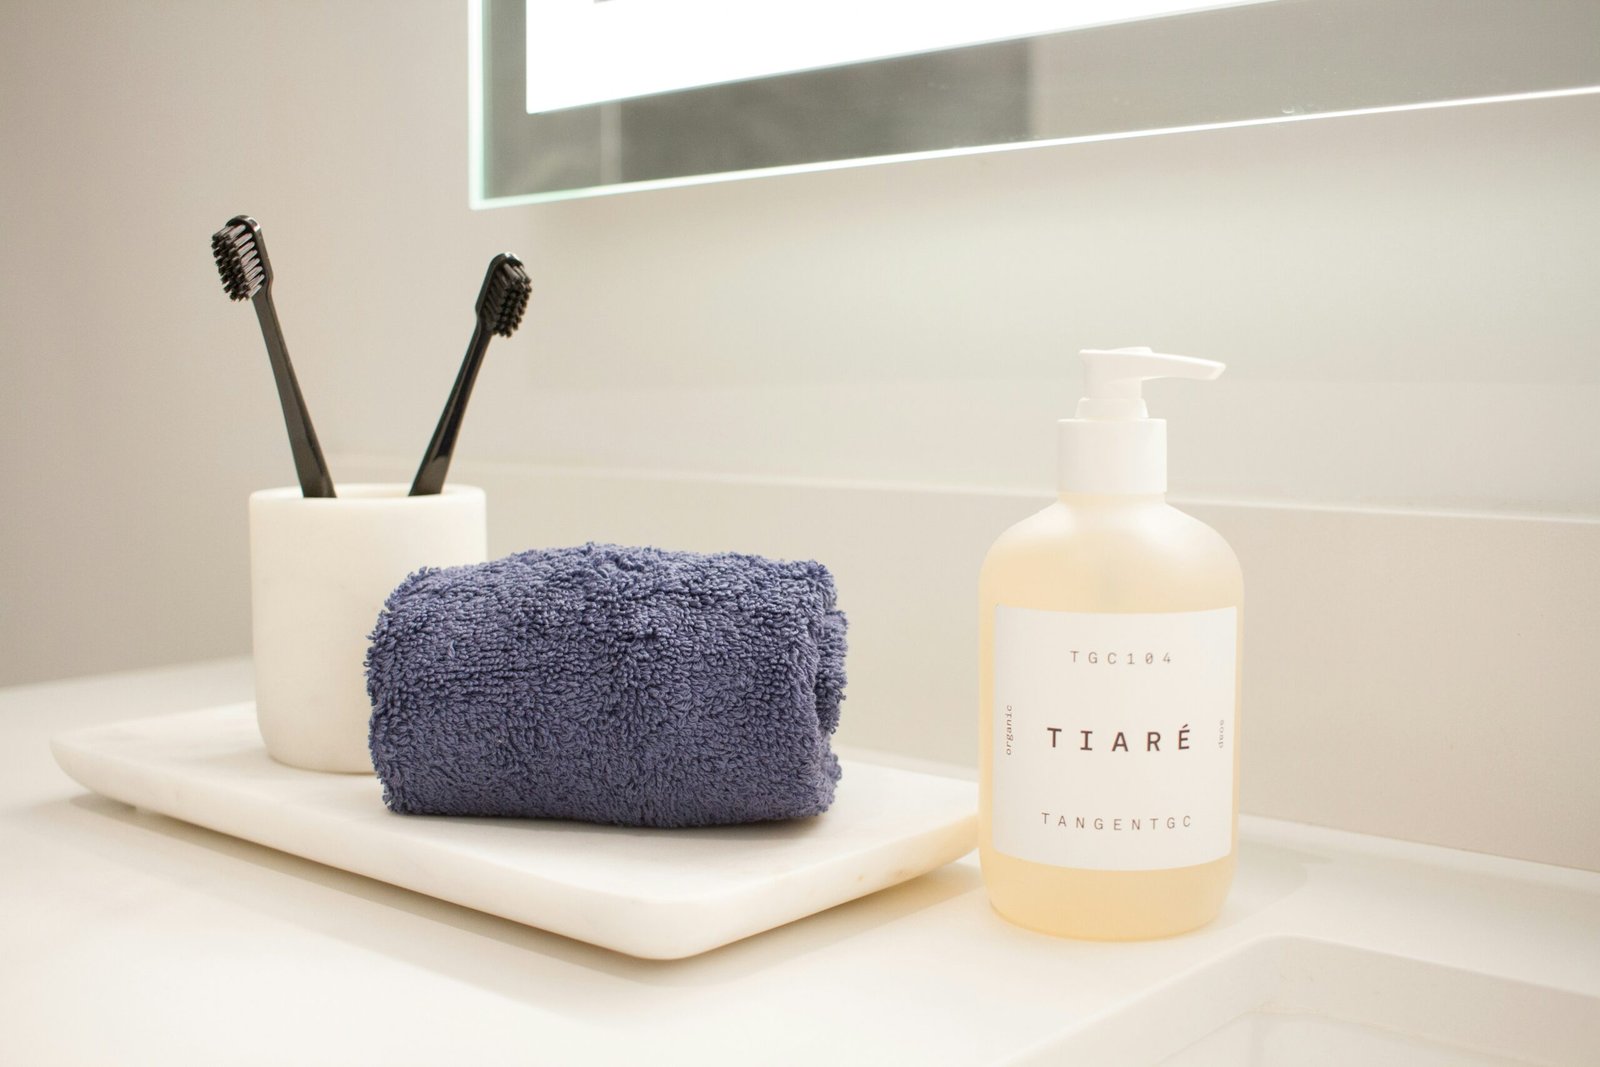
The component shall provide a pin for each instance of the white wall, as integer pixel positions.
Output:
(1406, 303)
(138, 408)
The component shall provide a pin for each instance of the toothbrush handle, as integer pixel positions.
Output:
(309, 466)
(436, 460)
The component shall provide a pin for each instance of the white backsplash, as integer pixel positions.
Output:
(1424, 676)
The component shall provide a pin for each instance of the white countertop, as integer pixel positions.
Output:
(132, 938)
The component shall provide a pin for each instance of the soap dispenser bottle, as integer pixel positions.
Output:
(1109, 658)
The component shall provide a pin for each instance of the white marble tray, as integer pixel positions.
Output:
(660, 894)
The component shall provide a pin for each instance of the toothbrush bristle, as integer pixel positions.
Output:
(241, 258)
(505, 296)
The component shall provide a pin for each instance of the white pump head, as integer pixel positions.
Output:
(1113, 446)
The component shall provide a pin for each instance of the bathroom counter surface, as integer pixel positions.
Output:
(133, 938)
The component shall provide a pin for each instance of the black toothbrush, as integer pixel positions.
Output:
(247, 274)
(501, 302)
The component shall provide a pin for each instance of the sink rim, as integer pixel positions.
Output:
(1472, 1009)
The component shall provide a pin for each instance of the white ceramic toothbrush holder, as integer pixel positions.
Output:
(320, 571)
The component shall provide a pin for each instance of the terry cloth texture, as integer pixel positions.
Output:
(631, 686)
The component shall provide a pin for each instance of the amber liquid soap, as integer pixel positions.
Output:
(1110, 633)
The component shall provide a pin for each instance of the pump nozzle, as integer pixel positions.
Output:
(1113, 377)
(1113, 445)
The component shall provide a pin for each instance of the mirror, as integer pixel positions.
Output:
(1241, 63)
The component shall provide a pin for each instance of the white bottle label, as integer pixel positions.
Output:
(1114, 738)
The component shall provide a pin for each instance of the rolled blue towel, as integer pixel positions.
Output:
(632, 686)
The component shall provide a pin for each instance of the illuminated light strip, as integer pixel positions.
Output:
(477, 144)
(584, 52)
